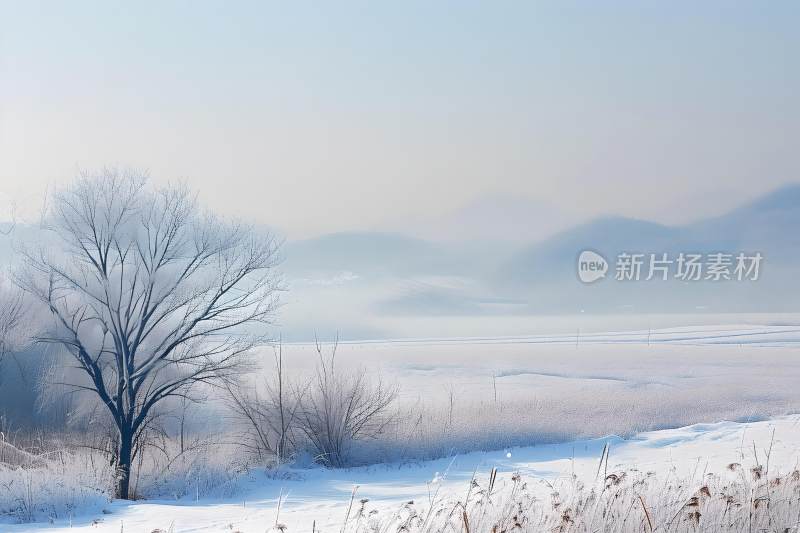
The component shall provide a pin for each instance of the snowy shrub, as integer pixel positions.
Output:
(341, 408)
(202, 467)
(74, 477)
(52, 485)
(269, 414)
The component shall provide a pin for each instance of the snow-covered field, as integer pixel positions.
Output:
(321, 497)
(550, 390)
(494, 392)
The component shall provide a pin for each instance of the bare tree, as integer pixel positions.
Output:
(151, 296)
(12, 315)
(7, 228)
(270, 413)
(12, 305)
(341, 408)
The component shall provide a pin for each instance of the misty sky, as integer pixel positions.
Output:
(321, 117)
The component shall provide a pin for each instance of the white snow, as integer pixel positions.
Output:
(680, 366)
(322, 496)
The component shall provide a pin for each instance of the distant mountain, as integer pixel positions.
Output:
(770, 224)
(546, 272)
(554, 259)
(541, 277)
(346, 280)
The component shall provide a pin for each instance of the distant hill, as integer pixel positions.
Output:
(541, 277)
(770, 224)
(545, 272)
(343, 280)
(554, 259)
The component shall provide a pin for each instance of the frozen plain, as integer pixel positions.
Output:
(621, 384)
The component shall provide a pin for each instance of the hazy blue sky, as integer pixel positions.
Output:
(318, 117)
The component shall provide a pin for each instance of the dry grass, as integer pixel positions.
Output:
(59, 478)
(53, 484)
(737, 500)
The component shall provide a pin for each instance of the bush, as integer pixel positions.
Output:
(339, 409)
(270, 415)
(71, 475)
(51, 485)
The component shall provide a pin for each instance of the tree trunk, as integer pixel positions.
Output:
(124, 456)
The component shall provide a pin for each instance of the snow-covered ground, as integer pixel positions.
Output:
(770, 334)
(503, 391)
(322, 496)
(614, 380)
